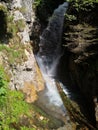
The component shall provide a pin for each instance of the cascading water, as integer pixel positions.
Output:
(48, 58)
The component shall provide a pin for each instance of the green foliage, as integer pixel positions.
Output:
(3, 8)
(80, 9)
(3, 95)
(12, 104)
(8, 27)
(83, 4)
(13, 54)
(20, 24)
(18, 106)
(11, 26)
(70, 17)
(15, 112)
(22, 10)
(45, 8)
(26, 128)
(37, 3)
(3, 86)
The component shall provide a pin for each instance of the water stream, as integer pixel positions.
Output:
(48, 58)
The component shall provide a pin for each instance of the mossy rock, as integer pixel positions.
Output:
(3, 8)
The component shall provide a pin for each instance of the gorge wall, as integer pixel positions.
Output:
(78, 67)
(80, 56)
(16, 53)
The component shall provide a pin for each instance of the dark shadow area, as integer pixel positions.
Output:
(46, 8)
(43, 12)
(86, 106)
(4, 34)
(3, 25)
(5, 1)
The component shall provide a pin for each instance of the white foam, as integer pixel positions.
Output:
(49, 70)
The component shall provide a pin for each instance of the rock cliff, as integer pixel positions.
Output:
(23, 70)
(78, 67)
(81, 52)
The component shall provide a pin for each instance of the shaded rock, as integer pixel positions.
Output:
(81, 62)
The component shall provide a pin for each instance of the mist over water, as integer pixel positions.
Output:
(51, 89)
(48, 58)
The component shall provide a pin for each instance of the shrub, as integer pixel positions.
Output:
(83, 4)
(12, 104)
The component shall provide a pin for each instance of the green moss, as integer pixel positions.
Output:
(14, 54)
(26, 128)
(3, 8)
(47, 121)
(22, 9)
(15, 113)
(76, 116)
(11, 27)
(20, 24)
(38, 110)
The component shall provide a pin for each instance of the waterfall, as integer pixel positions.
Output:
(50, 40)
(48, 58)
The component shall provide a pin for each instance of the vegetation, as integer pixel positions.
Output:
(13, 27)
(16, 114)
(76, 116)
(37, 3)
(82, 4)
(13, 54)
(79, 9)
(44, 9)
(10, 110)
(81, 37)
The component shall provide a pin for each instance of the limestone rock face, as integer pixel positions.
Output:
(22, 10)
(25, 76)
(27, 5)
(16, 4)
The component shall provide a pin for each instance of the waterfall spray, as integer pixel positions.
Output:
(48, 58)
